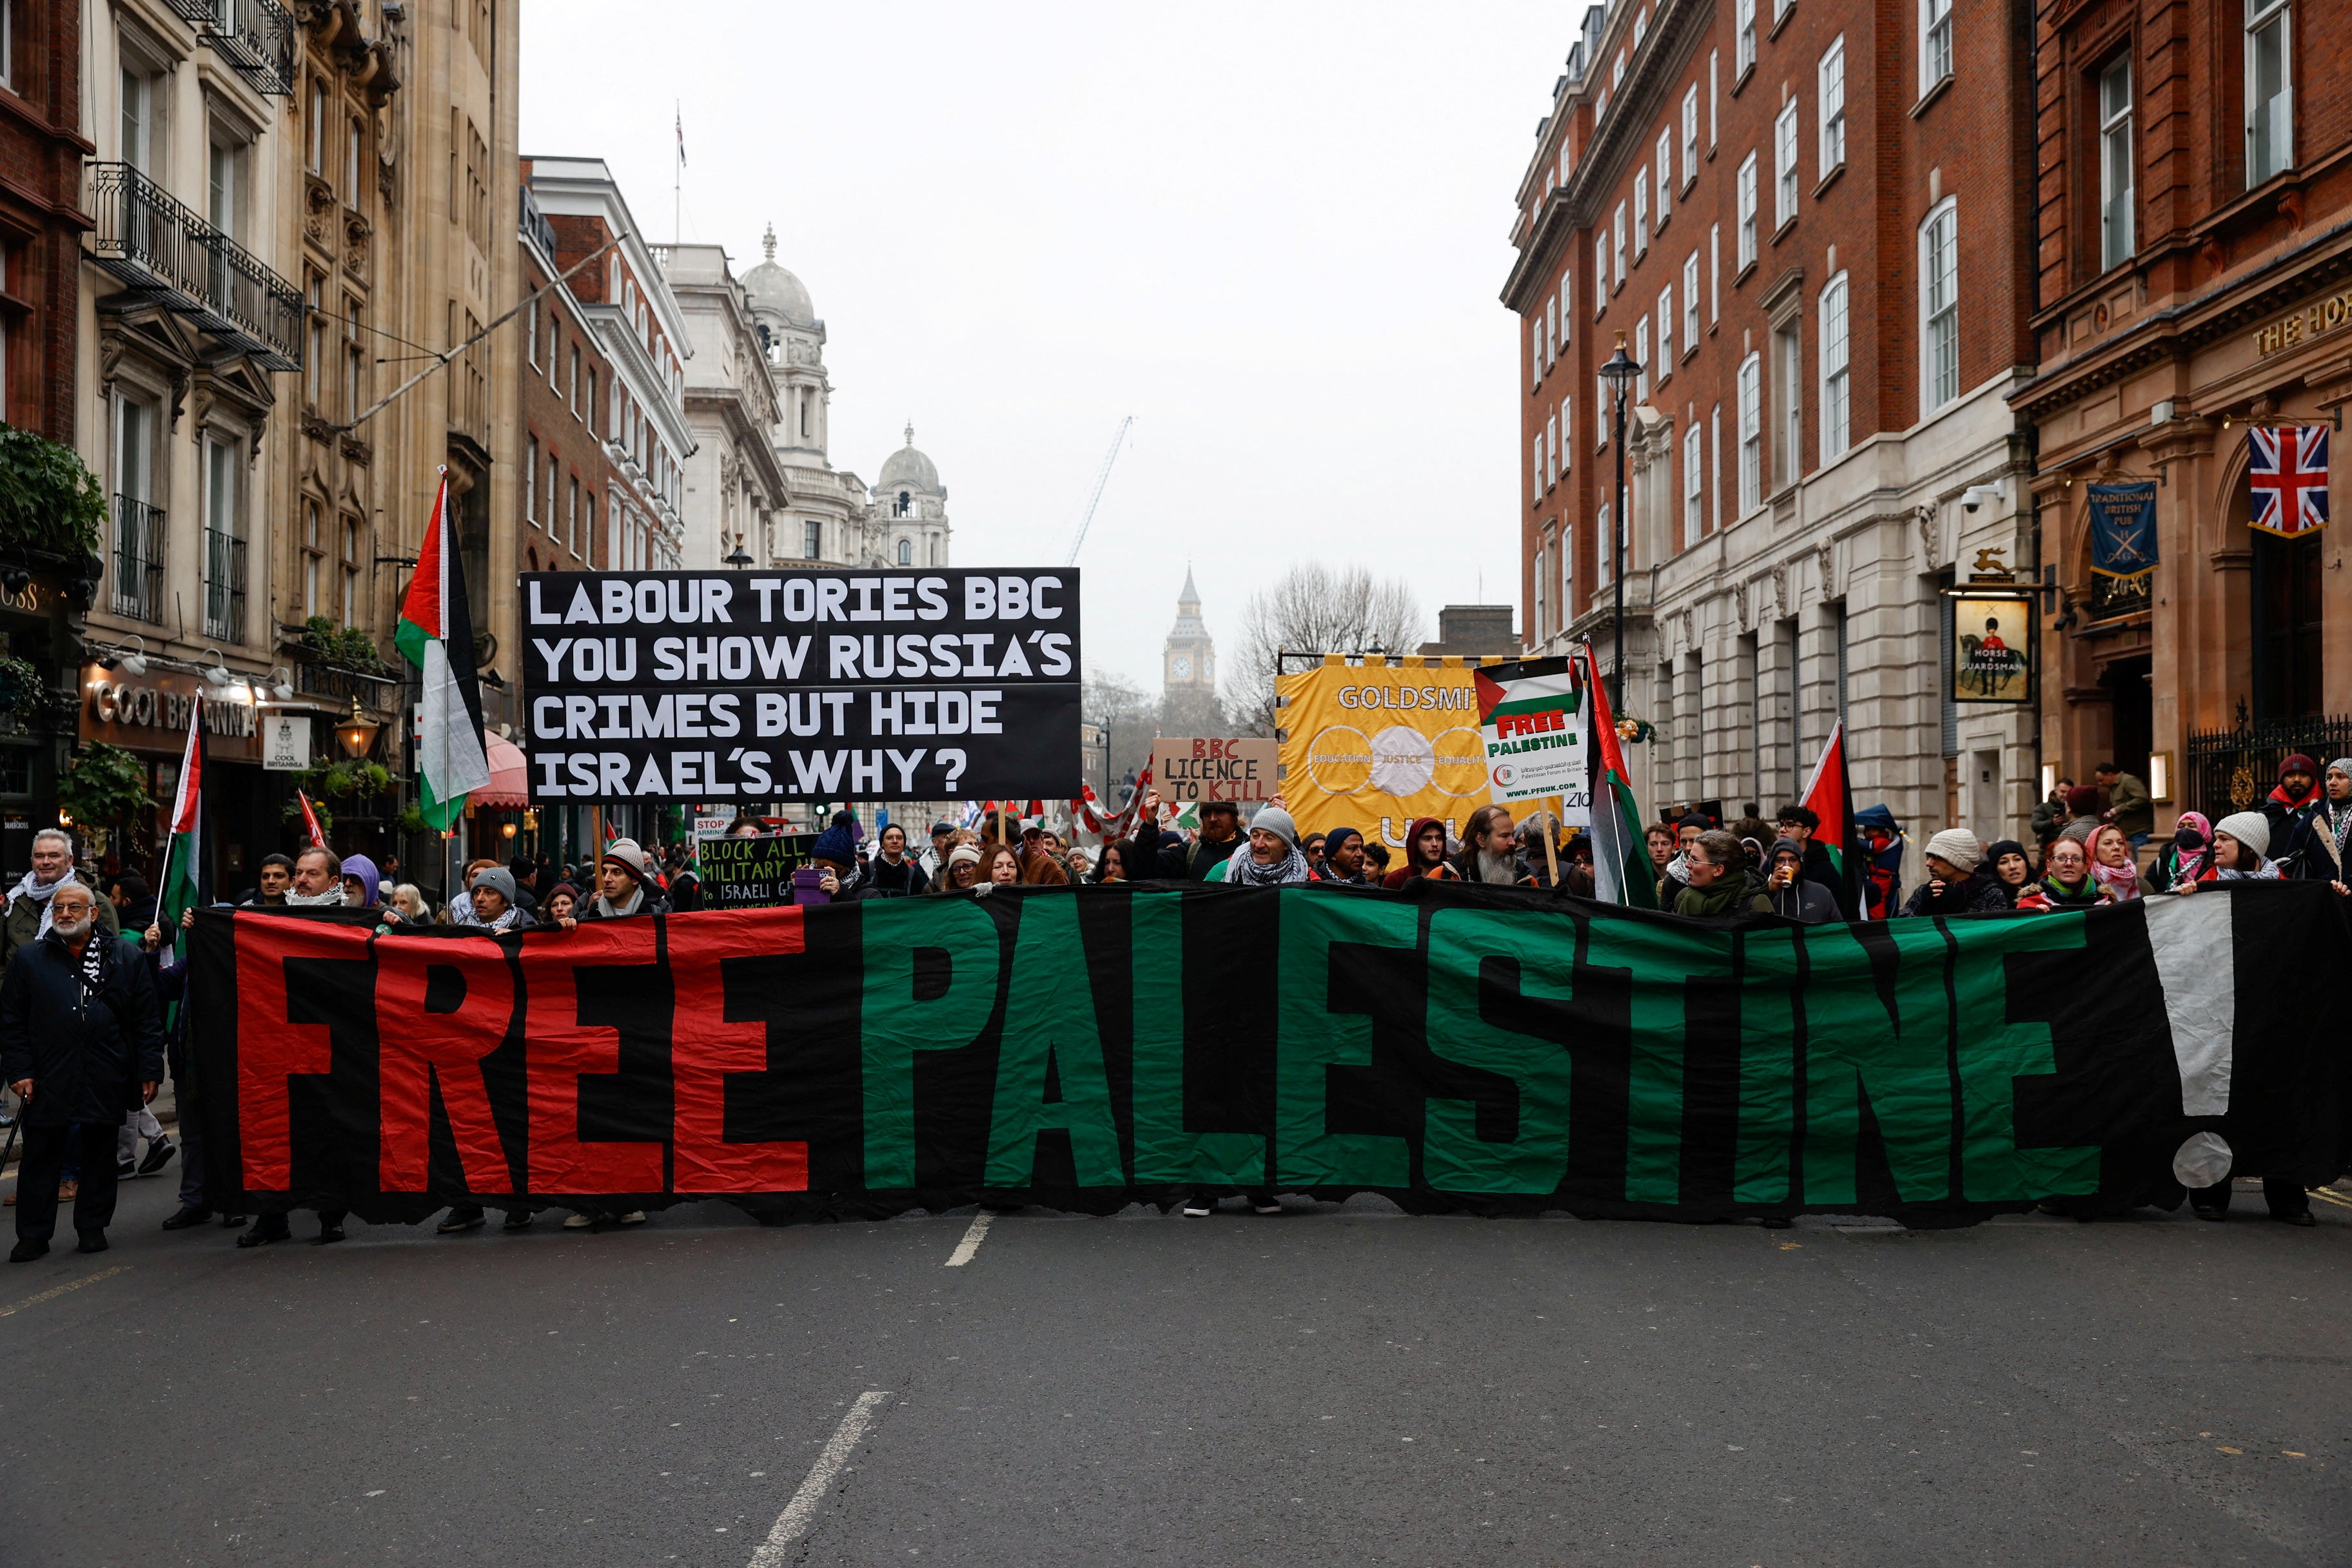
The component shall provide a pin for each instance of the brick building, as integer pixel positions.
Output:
(2194, 209)
(42, 218)
(566, 376)
(1809, 221)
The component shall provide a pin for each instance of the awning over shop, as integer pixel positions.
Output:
(509, 786)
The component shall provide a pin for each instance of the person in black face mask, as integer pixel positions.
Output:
(2188, 859)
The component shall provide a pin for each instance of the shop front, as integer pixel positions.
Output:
(146, 713)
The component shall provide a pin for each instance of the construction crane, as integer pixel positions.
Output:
(1102, 477)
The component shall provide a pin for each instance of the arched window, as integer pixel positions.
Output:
(905, 505)
(906, 552)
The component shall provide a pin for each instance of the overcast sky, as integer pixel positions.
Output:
(1273, 234)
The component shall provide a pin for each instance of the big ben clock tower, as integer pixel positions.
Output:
(1189, 664)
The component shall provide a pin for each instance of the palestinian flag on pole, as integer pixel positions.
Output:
(1828, 794)
(310, 821)
(178, 890)
(1622, 872)
(436, 636)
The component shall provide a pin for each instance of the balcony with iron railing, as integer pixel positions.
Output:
(224, 587)
(255, 37)
(150, 241)
(136, 563)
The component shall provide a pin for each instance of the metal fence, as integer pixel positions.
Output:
(2232, 770)
(148, 239)
(137, 566)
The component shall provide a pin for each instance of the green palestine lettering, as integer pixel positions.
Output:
(1050, 1033)
(930, 969)
(1164, 1151)
(1313, 1036)
(1474, 952)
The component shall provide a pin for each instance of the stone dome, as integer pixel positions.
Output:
(907, 468)
(773, 288)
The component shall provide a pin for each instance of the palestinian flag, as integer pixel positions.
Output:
(1622, 872)
(436, 636)
(184, 850)
(310, 822)
(1828, 794)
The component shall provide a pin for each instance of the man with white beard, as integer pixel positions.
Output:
(81, 1041)
(29, 901)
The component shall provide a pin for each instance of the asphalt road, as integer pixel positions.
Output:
(1337, 1385)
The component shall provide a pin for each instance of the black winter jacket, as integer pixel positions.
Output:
(87, 1059)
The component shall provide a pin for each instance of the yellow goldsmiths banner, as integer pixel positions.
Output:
(1373, 746)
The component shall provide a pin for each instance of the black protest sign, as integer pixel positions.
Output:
(804, 686)
(750, 870)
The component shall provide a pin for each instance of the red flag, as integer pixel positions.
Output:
(1828, 794)
(310, 822)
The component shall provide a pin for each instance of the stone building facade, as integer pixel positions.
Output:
(1804, 220)
(2194, 183)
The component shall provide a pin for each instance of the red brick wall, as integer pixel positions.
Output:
(41, 221)
(567, 434)
(1971, 139)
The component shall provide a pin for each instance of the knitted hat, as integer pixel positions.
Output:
(1959, 847)
(963, 855)
(498, 879)
(2297, 764)
(563, 890)
(1337, 840)
(2083, 800)
(1786, 846)
(2251, 828)
(621, 852)
(2001, 847)
(835, 844)
(1277, 821)
(2341, 765)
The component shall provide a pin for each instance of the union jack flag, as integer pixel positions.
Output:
(2289, 480)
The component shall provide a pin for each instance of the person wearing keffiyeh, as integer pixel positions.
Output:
(2188, 859)
(1273, 859)
(2333, 822)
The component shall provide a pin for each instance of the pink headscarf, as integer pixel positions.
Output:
(2120, 882)
(2194, 864)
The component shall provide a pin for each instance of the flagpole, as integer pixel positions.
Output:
(172, 833)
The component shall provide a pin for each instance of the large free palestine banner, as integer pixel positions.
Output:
(1452, 1046)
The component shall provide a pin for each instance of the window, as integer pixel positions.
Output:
(1665, 331)
(1935, 43)
(1543, 611)
(1617, 73)
(223, 541)
(530, 480)
(813, 541)
(1599, 274)
(140, 121)
(589, 408)
(2115, 159)
(350, 573)
(1939, 299)
(225, 187)
(315, 155)
(1744, 40)
(1665, 175)
(554, 475)
(1747, 211)
(1779, 9)
(1715, 467)
(1617, 249)
(1552, 331)
(1535, 460)
(1714, 273)
(2269, 91)
(1536, 355)
(572, 515)
(572, 394)
(1694, 516)
(8, 45)
(808, 394)
(1788, 450)
(311, 559)
(351, 144)
(1640, 213)
(1602, 411)
(587, 540)
(1567, 434)
(1837, 393)
(1566, 576)
(1567, 320)
(906, 552)
(1690, 135)
(531, 337)
(554, 349)
(1784, 165)
(1751, 434)
(1551, 451)
(1714, 96)
(1604, 544)
(1833, 87)
(1690, 302)
(1642, 358)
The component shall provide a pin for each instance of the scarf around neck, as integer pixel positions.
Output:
(332, 898)
(607, 909)
(1242, 866)
(40, 893)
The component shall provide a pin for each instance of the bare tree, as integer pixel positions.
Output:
(1132, 718)
(1314, 608)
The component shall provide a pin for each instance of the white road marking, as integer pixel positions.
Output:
(971, 1239)
(799, 1513)
(61, 1289)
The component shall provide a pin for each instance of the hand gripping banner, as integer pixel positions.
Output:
(1453, 1047)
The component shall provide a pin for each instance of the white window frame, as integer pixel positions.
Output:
(1600, 273)
(1714, 274)
(1567, 435)
(1939, 310)
(1537, 494)
(1604, 545)
(1784, 166)
(1694, 492)
(1831, 79)
(1535, 354)
(1551, 333)
(1542, 616)
(1641, 212)
(1837, 369)
(1551, 451)
(1690, 136)
(1751, 433)
(1743, 38)
(1690, 302)
(1935, 43)
(1601, 411)
(1748, 215)
(1715, 468)
(1713, 97)
(1567, 308)
(1566, 574)
(2263, 17)
(1617, 250)
(1790, 458)
(1781, 9)
(1665, 331)
(1642, 358)
(1666, 175)
(2119, 158)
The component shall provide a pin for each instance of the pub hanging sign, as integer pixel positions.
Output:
(1992, 655)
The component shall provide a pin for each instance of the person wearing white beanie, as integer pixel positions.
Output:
(1272, 859)
(1954, 885)
(2241, 840)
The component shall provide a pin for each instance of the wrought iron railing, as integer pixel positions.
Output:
(137, 564)
(256, 37)
(148, 239)
(224, 586)
(2232, 770)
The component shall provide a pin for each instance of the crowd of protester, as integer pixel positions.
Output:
(84, 1046)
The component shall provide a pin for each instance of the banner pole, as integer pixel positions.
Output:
(1552, 851)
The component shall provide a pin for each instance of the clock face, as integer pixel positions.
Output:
(1181, 667)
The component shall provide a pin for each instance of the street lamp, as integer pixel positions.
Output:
(1620, 373)
(742, 558)
(356, 734)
